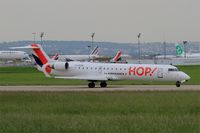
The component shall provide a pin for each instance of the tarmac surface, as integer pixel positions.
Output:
(99, 89)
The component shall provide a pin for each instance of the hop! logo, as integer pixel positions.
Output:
(141, 71)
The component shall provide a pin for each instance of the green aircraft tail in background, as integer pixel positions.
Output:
(179, 50)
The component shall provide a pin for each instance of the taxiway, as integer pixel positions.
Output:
(99, 89)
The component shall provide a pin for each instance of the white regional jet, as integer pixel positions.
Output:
(14, 56)
(102, 72)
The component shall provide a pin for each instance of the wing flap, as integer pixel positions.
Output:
(84, 78)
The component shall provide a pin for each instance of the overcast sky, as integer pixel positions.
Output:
(111, 20)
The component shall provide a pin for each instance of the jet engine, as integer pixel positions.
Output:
(60, 66)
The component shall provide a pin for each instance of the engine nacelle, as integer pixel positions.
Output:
(60, 66)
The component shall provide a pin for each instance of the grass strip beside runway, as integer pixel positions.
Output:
(91, 112)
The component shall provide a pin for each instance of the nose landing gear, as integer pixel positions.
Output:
(178, 84)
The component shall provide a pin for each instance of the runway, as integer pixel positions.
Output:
(99, 89)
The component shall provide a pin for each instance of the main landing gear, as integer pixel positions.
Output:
(103, 84)
(91, 85)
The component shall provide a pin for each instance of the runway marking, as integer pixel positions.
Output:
(99, 89)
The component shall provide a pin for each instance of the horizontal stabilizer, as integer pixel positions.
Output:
(25, 47)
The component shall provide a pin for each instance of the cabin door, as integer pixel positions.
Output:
(100, 69)
(160, 73)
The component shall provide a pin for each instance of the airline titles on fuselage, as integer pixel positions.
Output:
(131, 71)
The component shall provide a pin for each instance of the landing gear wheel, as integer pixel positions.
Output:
(103, 84)
(91, 85)
(178, 84)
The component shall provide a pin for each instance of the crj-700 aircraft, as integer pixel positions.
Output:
(102, 72)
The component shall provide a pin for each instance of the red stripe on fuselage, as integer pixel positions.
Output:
(40, 54)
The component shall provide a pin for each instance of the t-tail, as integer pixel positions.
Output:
(42, 59)
(179, 50)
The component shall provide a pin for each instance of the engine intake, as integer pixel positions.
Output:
(60, 65)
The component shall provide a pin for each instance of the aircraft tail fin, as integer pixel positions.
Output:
(55, 57)
(179, 50)
(117, 57)
(95, 51)
(42, 60)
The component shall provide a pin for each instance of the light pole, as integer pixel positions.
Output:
(139, 50)
(164, 43)
(92, 41)
(41, 36)
(184, 45)
(33, 36)
(89, 48)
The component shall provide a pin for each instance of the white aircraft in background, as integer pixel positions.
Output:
(120, 58)
(102, 72)
(14, 56)
(115, 59)
(92, 56)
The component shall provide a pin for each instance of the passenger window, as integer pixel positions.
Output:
(173, 69)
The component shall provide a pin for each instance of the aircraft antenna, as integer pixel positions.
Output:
(34, 33)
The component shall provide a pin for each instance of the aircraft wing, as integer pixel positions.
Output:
(102, 58)
(101, 78)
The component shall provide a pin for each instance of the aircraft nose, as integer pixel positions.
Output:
(187, 77)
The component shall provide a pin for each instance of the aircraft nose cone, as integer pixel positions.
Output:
(187, 77)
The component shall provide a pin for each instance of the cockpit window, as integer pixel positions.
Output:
(173, 69)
